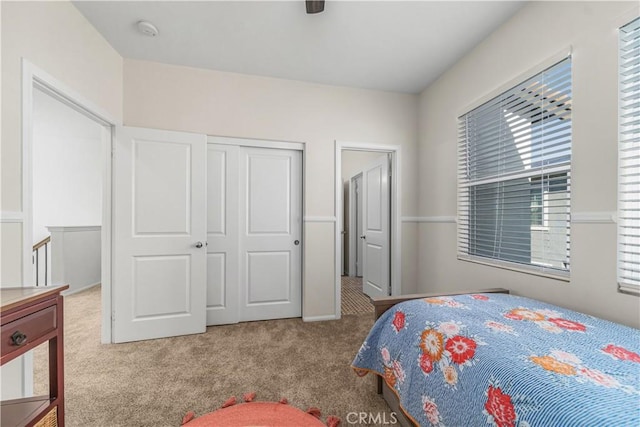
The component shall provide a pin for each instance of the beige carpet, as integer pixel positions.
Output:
(353, 300)
(154, 383)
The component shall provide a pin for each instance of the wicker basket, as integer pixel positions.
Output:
(49, 420)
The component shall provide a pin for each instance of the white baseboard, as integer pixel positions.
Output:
(319, 318)
(75, 291)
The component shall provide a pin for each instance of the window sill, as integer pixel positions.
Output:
(628, 289)
(505, 265)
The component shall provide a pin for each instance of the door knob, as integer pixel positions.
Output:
(199, 245)
(18, 338)
(296, 242)
(363, 237)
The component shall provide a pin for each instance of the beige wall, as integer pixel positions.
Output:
(56, 38)
(228, 104)
(534, 34)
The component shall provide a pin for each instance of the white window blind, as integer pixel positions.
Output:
(514, 176)
(629, 159)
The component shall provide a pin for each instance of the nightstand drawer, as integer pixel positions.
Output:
(21, 332)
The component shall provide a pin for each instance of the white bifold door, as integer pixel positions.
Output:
(159, 229)
(376, 198)
(254, 256)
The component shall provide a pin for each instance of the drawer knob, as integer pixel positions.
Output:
(18, 338)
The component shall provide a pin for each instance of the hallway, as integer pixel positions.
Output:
(353, 300)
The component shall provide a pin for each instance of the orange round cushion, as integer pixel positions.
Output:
(264, 414)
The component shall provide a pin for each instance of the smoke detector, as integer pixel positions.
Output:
(147, 28)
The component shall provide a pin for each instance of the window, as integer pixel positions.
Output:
(514, 176)
(629, 160)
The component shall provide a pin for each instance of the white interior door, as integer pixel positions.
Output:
(159, 286)
(270, 233)
(222, 234)
(376, 228)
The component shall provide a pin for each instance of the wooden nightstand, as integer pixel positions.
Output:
(29, 317)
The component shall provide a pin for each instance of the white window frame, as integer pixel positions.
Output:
(533, 269)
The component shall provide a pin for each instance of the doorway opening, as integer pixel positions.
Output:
(367, 231)
(67, 195)
(69, 139)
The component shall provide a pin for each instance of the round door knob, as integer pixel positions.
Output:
(296, 242)
(199, 244)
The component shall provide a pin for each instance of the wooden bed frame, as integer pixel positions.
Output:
(381, 305)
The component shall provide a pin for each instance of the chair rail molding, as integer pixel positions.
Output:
(432, 219)
(320, 219)
(73, 228)
(11, 217)
(594, 217)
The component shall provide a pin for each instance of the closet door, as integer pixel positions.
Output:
(254, 230)
(222, 234)
(159, 231)
(270, 212)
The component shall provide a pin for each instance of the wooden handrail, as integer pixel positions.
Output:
(41, 243)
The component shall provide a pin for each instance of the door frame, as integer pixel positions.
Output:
(396, 205)
(34, 77)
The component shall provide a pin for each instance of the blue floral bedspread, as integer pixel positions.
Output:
(504, 360)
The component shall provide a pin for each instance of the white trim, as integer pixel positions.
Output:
(249, 142)
(536, 69)
(320, 219)
(11, 217)
(28, 81)
(106, 236)
(521, 268)
(623, 288)
(364, 146)
(75, 291)
(303, 231)
(63, 93)
(396, 204)
(27, 373)
(320, 318)
(73, 228)
(432, 219)
(593, 218)
(33, 76)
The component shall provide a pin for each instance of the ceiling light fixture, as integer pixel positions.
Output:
(147, 28)
(314, 6)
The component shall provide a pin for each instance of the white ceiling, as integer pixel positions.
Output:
(392, 45)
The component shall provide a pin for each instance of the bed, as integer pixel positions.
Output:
(491, 358)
